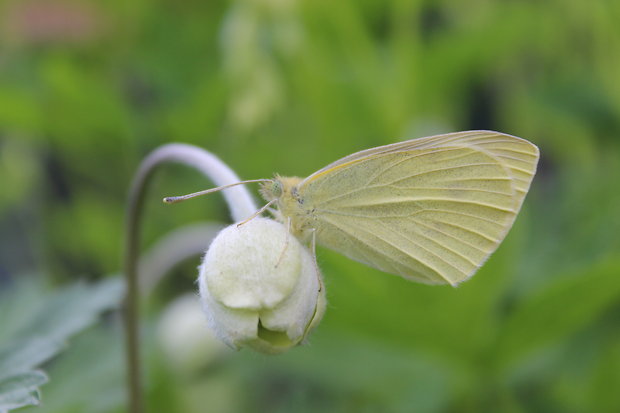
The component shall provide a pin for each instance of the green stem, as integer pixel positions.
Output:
(132, 246)
(239, 201)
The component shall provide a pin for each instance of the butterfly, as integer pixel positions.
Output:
(431, 210)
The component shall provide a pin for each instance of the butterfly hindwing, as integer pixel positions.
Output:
(430, 209)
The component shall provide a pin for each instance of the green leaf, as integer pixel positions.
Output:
(101, 383)
(45, 322)
(21, 390)
(22, 355)
(71, 309)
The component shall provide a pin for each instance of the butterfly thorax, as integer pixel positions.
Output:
(284, 190)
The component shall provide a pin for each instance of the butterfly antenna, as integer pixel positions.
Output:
(181, 198)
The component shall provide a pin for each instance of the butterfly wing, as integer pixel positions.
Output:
(431, 209)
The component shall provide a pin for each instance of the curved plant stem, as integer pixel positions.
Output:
(239, 202)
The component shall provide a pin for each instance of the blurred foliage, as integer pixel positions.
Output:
(35, 326)
(88, 88)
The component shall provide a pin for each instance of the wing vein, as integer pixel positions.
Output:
(447, 211)
(451, 236)
(420, 201)
(445, 247)
(443, 169)
(486, 191)
(408, 158)
(471, 231)
(377, 251)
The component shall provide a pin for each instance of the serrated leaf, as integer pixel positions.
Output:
(21, 390)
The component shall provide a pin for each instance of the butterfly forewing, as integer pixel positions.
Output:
(516, 154)
(431, 209)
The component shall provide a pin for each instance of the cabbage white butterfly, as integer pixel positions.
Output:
(431, 209)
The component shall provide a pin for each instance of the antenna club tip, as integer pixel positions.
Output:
(169, 200)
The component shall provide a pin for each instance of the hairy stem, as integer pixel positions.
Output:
(239, 202)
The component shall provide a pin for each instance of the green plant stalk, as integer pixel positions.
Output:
(240, 204)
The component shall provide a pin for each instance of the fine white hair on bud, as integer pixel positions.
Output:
(184, 341)
(260, 287)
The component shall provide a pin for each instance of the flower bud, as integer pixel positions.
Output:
(260, 287)
(184, 341)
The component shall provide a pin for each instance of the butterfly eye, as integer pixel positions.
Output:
(276, 189)
(271, 190)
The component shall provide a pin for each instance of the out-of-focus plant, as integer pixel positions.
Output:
(257, 38)
(76, 116)
(259, 288)
(35, 327)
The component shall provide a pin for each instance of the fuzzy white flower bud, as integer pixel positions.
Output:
(185, 342)
(260, 287)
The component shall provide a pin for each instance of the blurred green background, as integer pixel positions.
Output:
(87, 89)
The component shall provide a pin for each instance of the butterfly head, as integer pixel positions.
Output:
(272, 189)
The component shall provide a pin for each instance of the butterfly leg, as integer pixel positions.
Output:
(286, 241)
(314, 261)
(257, 213)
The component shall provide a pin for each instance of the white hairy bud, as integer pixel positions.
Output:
(260, 287)
(185, 342)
